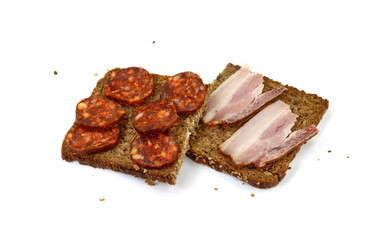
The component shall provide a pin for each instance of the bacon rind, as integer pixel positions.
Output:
(293, 140)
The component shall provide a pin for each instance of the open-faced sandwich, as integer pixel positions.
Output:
(253, 127)
(137, 123)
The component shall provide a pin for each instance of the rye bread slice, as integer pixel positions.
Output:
(118, 158)
(206, 140)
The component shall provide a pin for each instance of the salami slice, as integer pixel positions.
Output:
(186, 90)
(129, 86)
(154, 151)
(98, 112)
(83, 141)
(154, 116)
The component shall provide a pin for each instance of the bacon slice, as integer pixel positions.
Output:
(264, 137)
(238, 97)
(266, 129)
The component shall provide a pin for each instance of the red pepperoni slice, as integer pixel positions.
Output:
(186, 90)
(154, 116)
(154, 151)
(83, 141)
(98, 112)
(129, 86)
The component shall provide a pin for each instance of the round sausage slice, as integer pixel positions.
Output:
(154, 151)
(98, 112)
(83, 141)
(129, 86)
(154, 116)
(186, 90)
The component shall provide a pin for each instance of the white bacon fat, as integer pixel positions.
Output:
(266, 137)
(238, 97)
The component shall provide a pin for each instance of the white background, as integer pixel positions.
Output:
(337, 49)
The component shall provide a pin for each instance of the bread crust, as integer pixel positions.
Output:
(118, 158)
(204, 144)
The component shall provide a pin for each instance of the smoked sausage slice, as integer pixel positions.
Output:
(186, 90)
(83, 141)
(98, 112)
(154, 116)
(154, 151)
(129, 86)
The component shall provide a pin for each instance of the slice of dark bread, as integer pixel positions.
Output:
(206, 140)
(118, 158)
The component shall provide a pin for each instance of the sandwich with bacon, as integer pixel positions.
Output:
(253, 126)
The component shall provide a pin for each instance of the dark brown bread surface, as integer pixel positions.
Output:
(206, 140)
(118, 158)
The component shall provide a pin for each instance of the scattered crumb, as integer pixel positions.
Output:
(252, 195)
(55, 72)
(347, 156)
(153, 42)
(329, 151)
(289, 168)
(216, 189)
(101, 199)
(242, 183)
(318, 159)
(95, 74)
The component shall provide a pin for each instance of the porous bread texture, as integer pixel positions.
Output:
(118, 158)
(206, 140)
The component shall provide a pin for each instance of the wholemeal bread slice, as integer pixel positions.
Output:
(205, 141)
(118, 158)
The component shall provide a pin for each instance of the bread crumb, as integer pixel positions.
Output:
(150, 182)
(55, 72)
(101, 199)
(329, 151)
(95, 74)
(347, 156)
(153, 42)
(216, 189)
(318, 159)
(252, 195)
